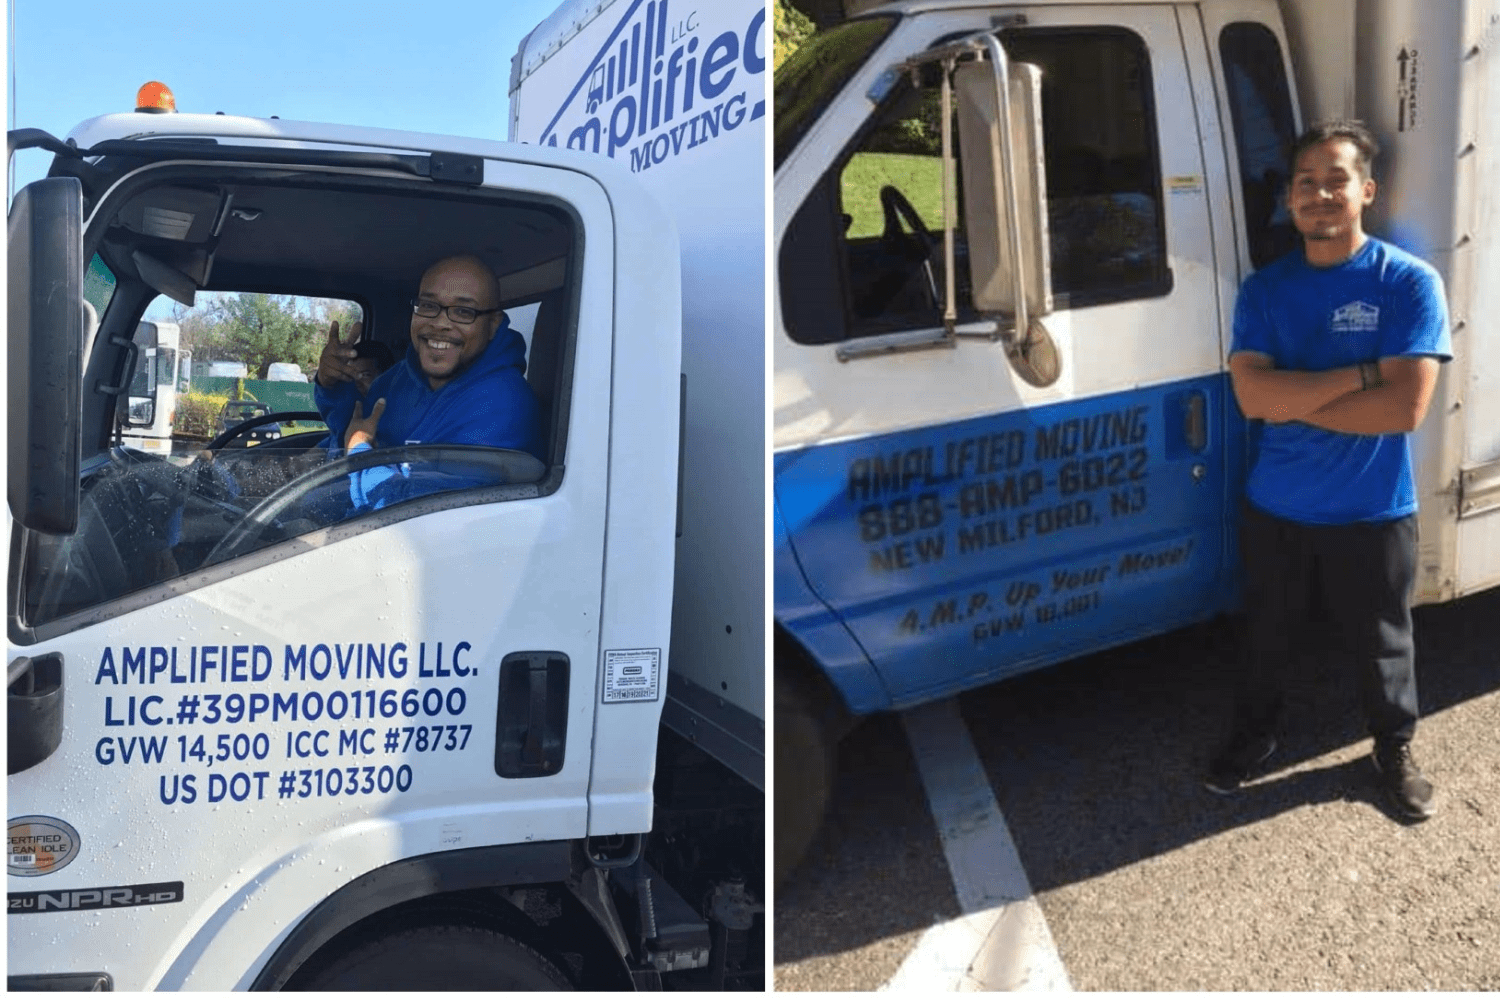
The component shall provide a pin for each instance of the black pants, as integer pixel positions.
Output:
(1363, 575)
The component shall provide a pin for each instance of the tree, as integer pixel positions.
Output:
(791, 28)
(257, 329)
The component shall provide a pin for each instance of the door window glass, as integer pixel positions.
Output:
(892, 221)
(1260, 105)
(812, 76)
(203, 437)
(1104, 190)
(864, 254)
(239, 459)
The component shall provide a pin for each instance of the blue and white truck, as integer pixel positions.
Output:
(506, 734)
(1007, 242)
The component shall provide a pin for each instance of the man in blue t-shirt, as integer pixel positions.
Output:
(1336, 348)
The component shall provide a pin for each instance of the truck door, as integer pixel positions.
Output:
(261, 698)
(964, 523)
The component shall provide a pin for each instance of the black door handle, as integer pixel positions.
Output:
(34, 710)
(1195, 428)
(531, 731)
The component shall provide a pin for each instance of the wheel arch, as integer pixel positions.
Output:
(823, 644)
(410, 880)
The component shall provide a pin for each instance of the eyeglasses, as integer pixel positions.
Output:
(463, 315)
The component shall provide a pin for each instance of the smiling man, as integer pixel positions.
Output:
(462, 380)
(1336, 348)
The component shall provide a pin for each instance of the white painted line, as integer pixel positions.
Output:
(1001, 942)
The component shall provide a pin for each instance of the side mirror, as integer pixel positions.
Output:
(45, 310)
(988, 202)
(140, 411)
(140, 408)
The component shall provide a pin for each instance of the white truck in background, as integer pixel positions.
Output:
(151, 400)
(285, 371)
(224, 369)
(263, 737)
(1004, 434)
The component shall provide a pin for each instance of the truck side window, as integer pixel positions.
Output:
(891, 216)
(809, 80)
(871, 232)
(864, 253)
(217, 447)
(1104, 189)
(1260, 104)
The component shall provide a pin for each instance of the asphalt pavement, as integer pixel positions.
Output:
(1305, 880)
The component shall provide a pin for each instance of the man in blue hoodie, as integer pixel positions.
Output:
(462, 381)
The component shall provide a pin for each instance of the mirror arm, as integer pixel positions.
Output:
(1001, 65)
(1018, 335)
(950, 197)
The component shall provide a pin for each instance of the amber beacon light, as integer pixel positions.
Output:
(155, 98)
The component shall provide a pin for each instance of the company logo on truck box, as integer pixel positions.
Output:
(665, 81)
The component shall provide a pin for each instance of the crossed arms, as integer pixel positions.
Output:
(1333, 400)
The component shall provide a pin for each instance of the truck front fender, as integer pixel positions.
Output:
(827, 643)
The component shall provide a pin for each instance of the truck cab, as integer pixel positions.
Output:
(260, 735)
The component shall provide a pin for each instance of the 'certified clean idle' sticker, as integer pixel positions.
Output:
(632, 675)
(40, 845)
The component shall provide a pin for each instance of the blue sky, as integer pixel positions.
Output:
(430, 65)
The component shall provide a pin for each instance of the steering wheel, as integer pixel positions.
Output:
(123, 516)
(916, 246)
(896, 209)
(505, 465)
(254, 422)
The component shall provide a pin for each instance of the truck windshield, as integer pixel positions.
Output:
(813, 75)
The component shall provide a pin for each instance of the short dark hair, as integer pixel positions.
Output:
(1349, 129)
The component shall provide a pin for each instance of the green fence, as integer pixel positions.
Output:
(282, 397)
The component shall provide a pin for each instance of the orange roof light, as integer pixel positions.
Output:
(155, 98)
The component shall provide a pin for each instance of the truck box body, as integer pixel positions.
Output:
(676, 92)
(945, 518)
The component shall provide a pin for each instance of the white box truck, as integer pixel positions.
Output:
(151, 400)
(266, 735)
(1004, 430)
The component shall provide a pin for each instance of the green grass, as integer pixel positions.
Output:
(920, 178)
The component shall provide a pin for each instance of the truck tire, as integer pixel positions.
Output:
(805, 767)
(448, 957)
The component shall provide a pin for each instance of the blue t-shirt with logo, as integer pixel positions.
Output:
(1381, 303)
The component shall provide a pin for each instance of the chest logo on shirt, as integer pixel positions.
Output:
(1355, 317)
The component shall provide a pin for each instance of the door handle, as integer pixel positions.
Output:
(531, 731)
(34, 710)
(1195, 420)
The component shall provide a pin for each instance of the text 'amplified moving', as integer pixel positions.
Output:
(641, 89)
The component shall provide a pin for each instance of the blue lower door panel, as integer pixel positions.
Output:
(963, 553)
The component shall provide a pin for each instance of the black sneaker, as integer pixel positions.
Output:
(1409, 792)
(1235, 763)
